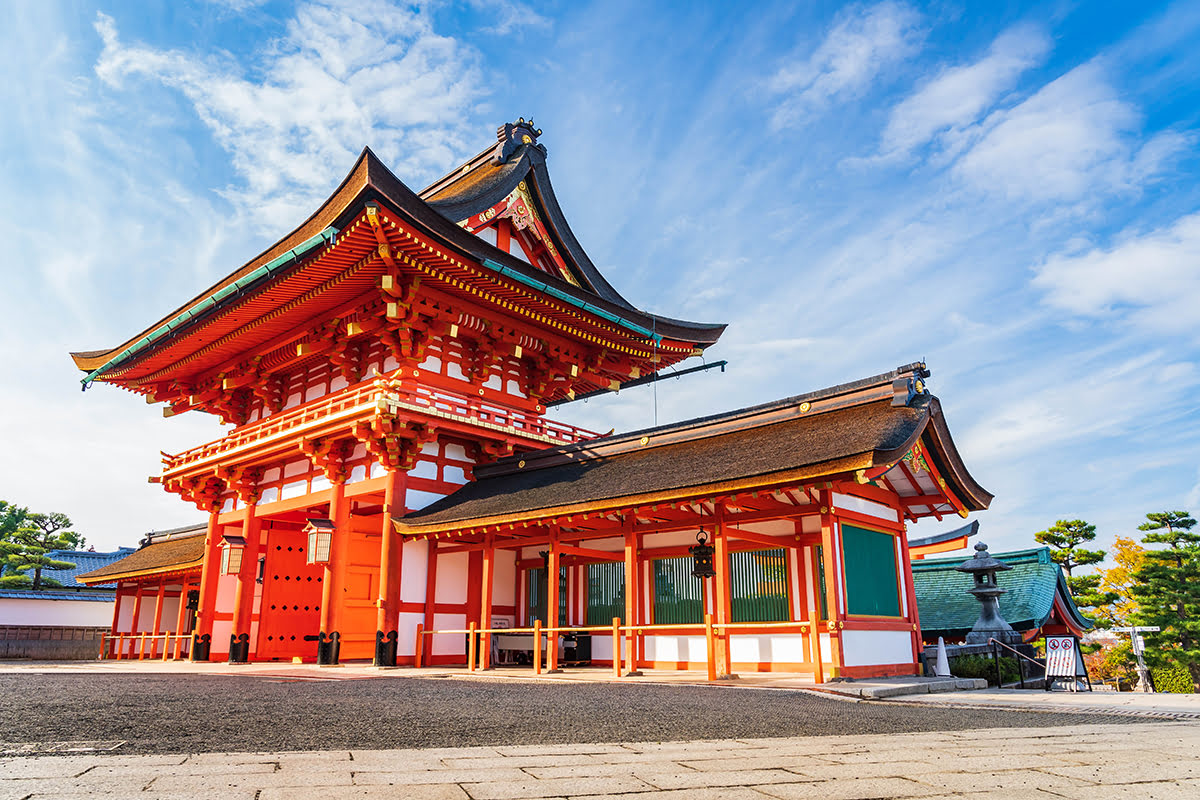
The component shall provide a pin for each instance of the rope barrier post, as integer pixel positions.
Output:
(710, 643)
(537, 647)
(616, 646)
(419, 646)
(471, 654)
(996, 658)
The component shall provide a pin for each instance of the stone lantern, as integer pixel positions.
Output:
(990, 625)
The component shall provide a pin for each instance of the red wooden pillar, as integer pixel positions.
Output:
(134, 626)
(334, 577)
(158, 609)
(485, 601)
(553, 590)
(116, 620)
(632, 599)
(430, 593)
(721, 600)
(830, 550)
(181, 616)
(905, 570)
(243, 600)
(202, 638)
(391, 554)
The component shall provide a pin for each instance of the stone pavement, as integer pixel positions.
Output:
(1088, 762)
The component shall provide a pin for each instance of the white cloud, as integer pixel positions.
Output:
(861, 45)
(1153, 278)
(342, 77)
(1074, 137)
(507, 15)
(958, 96)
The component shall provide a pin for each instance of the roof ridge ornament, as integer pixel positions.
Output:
(513, 135)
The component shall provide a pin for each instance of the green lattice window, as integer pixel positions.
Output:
(678, 597)
(872, 581)
(605, 593)
(535, 608)
(758, 586)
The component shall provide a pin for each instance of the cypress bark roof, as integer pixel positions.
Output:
(836, 431)
(183, 549)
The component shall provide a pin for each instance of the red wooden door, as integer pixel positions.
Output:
(291, 599)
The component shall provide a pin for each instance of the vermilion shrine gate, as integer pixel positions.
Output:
(391, 479)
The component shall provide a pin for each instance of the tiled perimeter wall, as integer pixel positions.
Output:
(44, 642)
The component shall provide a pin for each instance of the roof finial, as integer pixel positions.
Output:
(511, 136)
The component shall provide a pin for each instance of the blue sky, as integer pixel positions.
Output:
(1011, 196)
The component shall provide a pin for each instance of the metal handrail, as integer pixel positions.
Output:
(1020, 673)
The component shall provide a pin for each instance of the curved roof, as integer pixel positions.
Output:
(370, 180)
(182, 550)
(843, 429)
(1033, 586)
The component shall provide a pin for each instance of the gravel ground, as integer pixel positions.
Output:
(214, 713)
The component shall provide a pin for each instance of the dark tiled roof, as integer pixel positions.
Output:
(84, 562)
(89, 595)
(947, 609)
(163, 555)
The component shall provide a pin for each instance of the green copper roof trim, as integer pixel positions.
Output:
(213, 300)
(542, 286)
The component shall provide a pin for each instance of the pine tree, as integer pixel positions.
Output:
(30, 545)
(1168, 590)
(1065, 538)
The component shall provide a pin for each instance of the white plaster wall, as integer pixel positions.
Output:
(504, 578)
(668, 648)
(810, 524)
(826, 648)
(406, 631)
(865, 648)
(58, 613)
(769, 527)
(451, 583)
(449, 643)
(763, 649)
(868, 507)
(412, 572)
(126, 613)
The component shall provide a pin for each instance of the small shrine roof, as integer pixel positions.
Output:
(839, 430)
(1032, 587)
(168, 551)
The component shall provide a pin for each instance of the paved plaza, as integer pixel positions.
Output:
(1089, 762)
(187, 731)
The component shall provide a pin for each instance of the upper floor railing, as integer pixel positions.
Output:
(381, 396)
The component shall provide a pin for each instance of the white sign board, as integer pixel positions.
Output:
(1060, 657)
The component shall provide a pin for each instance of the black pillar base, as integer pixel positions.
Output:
(239, 648)
(328, 648)
(385, 648)
(201, 647)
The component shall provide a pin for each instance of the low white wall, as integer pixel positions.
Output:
(57, 613)
(867, 648)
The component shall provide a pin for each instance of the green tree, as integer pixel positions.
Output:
(1126, 556)
(1167, 588)
(1064, 539)
(29, 546)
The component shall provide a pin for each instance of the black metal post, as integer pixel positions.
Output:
(996, 658)
(201, 646)
(385, 649)
(239, 648)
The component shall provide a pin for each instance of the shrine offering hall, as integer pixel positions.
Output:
(391, 488)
